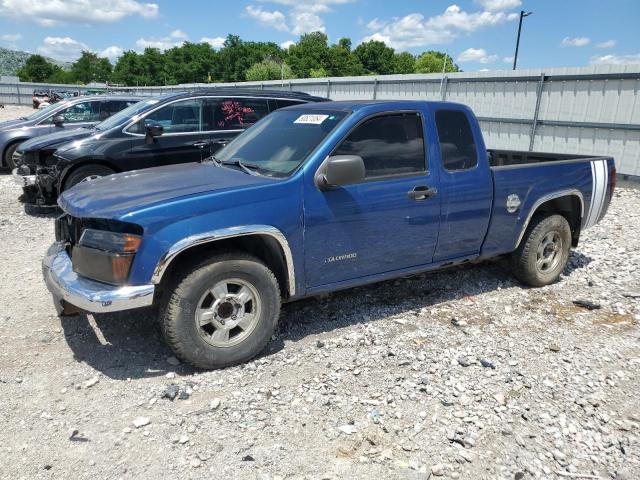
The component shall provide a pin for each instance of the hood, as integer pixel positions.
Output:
(118, 195)
(12, 124)
(53, 140)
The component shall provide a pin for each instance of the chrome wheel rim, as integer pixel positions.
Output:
(549, 252)
(228, 312)
(89, 178)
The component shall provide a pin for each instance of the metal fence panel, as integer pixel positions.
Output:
(589, 110)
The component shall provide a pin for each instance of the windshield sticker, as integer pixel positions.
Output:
(311, 119)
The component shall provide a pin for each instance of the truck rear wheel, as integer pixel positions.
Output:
(222, 312)
(543, 252)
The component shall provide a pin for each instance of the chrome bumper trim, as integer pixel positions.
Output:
(23, 180)
(91, 296)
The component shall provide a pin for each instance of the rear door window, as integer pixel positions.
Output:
(239, 113)
(457, 146)
(389, 145)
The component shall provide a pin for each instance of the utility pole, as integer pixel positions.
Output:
(522, 15)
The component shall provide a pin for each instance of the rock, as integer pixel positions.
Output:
(320, 344)
(215, 403)
(437, 470)
(487, 363)
(196, 463)
(348, 429)
(554, 348)
(518, 476)
(183, 439)
(171, 392)
(559, 456)
(248, 458)
(170, 375)
(464, 361)
(589, 305)
(91, 382)
(141, 422)
(458, 323)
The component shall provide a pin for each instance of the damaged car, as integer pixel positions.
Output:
(174, 128)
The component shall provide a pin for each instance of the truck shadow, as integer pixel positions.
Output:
(129, 344)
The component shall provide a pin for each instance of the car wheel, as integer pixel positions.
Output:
(222, 312)
(86, 173)
(543, 252)
(8, 155)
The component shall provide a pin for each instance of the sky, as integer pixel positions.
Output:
(478, 34)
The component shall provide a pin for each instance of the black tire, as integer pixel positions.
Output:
(8, 155)
(84, 172)
(547, 237)
(187, 338)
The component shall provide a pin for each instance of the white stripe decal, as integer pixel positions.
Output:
(593, 195)
(599, 169)
(605, 173)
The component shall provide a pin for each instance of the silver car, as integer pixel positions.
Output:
(69, 114)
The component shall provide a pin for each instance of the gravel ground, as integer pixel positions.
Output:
(9, 112)
(459, 374)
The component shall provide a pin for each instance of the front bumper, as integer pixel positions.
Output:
(66, 286)
(23, 180)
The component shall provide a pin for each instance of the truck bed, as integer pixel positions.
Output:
(508, 158)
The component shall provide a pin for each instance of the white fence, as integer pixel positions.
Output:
(590, 110)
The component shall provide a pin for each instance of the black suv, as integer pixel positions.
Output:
(175, 128)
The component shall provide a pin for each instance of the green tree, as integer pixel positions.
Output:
(376, 57)
(318, 73)
(91, 68)
(268, 69)
(154, 67)
(36, 69)
(129, 70)
(237, 56)
(404, 63)
(432, 62)
(310, 53)
(341, 62)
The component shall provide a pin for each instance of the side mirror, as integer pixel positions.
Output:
(58, 120)
(340, 170)
(153, 131)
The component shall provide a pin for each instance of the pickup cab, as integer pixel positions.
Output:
(311, 199)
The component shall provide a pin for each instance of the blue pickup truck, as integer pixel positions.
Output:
(313, 199)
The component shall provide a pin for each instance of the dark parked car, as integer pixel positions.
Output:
(69, 114)
(175, 128)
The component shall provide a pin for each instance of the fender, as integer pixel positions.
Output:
(545, 199)
(224, 233)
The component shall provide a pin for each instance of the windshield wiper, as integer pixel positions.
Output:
(250, 168)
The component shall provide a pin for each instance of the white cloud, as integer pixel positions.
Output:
(62, 48)
(616, 60)
(274, 19)
(287, 44)
(575, 41)
(174, 39)
(507, 59)
(301, 16)
(10, 37)
(216, 42)
(499, 5)
(414, 30)
(477, 55)
(112, 53)
(375, 24)
(607, 44)
(52, 12)
(305, 22)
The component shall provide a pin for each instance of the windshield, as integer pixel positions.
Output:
(43, 112)
(126, 114)
(281, 141)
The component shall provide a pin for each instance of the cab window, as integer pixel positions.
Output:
(457, 147)
(238, 113)
(388, 144)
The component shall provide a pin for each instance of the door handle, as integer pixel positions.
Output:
(200, 144)
(422, 192)
(222, 141)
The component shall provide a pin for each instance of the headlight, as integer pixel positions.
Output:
(105, 256)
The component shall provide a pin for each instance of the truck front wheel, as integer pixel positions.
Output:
(543, 252)
(222, 312)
